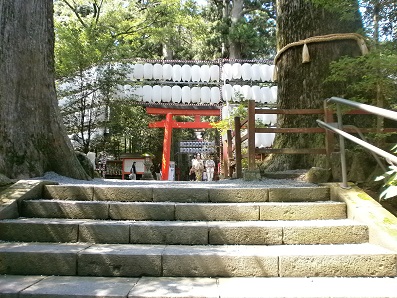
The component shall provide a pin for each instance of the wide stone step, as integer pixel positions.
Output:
(183, 211)
(186, 194)
(184, 232)
(349, 260)
(167, 287)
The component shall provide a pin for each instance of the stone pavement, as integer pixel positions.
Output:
(167, 287)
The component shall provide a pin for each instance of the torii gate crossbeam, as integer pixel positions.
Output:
(169, 124)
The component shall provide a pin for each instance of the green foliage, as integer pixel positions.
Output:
(228, 123)
(368, 78)
(390, 181)
(90, 37)
(254, 31)
(346, 9)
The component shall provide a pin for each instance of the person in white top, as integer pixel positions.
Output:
(198, 166)
(210, 167)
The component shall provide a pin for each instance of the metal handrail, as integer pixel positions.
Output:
(342, 134)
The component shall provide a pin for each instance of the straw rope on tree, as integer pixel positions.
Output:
(316, 39)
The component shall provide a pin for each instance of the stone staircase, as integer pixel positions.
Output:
(186, 242)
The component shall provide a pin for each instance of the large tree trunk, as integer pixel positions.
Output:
(32, 137)
(301, 85)
(235, 15)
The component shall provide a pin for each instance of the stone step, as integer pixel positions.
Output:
(183, 211)
(171, 287)
(132, 260)
(186, 193)
(184, 232)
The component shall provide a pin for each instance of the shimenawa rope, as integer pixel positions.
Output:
(322, 38)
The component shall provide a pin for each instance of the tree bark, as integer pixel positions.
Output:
(33, 139)
(235, 15)
(301, 85)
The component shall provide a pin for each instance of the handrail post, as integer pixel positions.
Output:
(329, 135)
(237, 146)
(251, 135)
(342, 149)
(229, 152)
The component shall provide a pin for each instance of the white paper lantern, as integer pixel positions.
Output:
(214, 73)
(176, 95)
(271, 72)
(195, 93)
(256, 93)
(176, 73)
(147, 93)
(138, 71)
(186, 73)
(258, 140)
(266, 118)
(205, 94)
(226, 111)
(236, 71)
(148, 71)
(129, 71)
(166, 94)
(227, 92)
(236, 95)
(195, 70)
(156, 95)
(273, 119)
(205, 73)
(246, 92)
(274, 93)
(167, 72)
(272, 136)
(227, 73)
(128, 91)
(157, 71)
(119, 92)
(138, 93)
(215, 95)
(256, 72)
(246, 71)
(265, 73)
(186, 94)
(267, 140)
(267, 96)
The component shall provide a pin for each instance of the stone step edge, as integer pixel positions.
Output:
(182, 211)
(166, 287)
(186, 194)
(204, 261)
(184, 232)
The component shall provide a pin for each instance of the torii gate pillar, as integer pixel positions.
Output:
(166, 147)
(169, 124)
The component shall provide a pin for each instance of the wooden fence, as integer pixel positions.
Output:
(232, 155)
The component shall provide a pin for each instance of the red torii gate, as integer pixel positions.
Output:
(169, 123)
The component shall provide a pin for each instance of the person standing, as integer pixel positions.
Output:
(133, 171)
(198, 166)
(210, 166)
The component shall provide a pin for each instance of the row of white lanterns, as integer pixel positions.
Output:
(264, 140)
(174, 94)
(200, 73)
(205, 95)
(257, 93)
(268, 119)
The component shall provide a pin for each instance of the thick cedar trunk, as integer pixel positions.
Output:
(235, 15)
(32, 137)
(301, 86)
